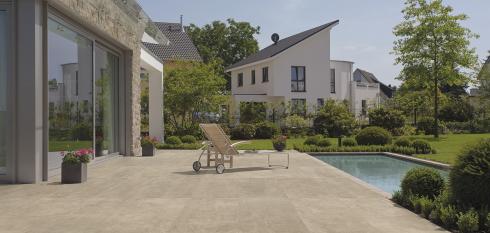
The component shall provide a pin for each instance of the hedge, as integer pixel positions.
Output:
(390, 148)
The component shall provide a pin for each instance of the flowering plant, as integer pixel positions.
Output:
(77, 157)
(147, 140)
(279, 142)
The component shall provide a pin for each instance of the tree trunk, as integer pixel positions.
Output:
(340, 141)
(436, 108)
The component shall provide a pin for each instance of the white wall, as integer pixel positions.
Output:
(259, 88)
(364, 91)
(314, 54)
(343, 78)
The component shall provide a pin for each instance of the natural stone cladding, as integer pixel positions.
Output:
(115, 23)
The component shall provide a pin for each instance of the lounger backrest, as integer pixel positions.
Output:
(220, 140)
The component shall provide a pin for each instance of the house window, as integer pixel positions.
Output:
(265, 74)
(4, 97)
(298, 79)
(240, 79)
(364, 107)
(320, 102)
(298, 106)
(332, 80)
(253, 77)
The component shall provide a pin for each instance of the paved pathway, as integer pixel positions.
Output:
(162, 194)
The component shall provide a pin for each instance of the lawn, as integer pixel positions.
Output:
(69, 145)
(447, 146)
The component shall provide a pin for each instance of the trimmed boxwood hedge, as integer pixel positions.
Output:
(389, 148)
(193, 146)
(373, 136)
(423, 182)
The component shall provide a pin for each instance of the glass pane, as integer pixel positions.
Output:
(301, 86)
(70, 92)
(106, 73)
(294, 76)
(3, 91)
(301, 73)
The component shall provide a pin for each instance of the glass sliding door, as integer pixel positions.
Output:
(70, 91)
(4, 38)
(106, 83)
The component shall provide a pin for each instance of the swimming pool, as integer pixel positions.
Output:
(381, 171)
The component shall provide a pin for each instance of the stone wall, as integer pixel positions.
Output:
(110, 20)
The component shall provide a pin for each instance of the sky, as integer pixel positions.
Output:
(364, 35)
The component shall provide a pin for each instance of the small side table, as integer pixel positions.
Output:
(276, 153)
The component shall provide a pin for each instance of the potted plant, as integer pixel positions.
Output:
(148, 145)
(279, 143)
(74, 166)
(99, 146)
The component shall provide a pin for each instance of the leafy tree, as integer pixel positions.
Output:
(433, 48)
(458, 109)
(389, 119)
(252, 112)
(192, 91)
(334, 119)
(484, 85)
(224, 43)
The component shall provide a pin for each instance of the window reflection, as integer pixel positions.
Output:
(70, 91)
(4, 34)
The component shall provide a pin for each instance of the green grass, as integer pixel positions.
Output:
(69, 145)
(448, 146)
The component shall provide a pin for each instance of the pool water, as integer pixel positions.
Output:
(383, 172)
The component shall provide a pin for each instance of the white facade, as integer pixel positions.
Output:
(312, 53)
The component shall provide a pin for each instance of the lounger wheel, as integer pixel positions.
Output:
(220, 168)
(196, 166)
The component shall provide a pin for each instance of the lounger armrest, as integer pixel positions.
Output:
(240, 142)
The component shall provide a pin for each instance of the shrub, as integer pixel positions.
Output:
(324, 143)
(487, 224)
(402, 142)
(349, 142)
(173, 140)
(422, 146)
(435, 214)
(279, 143)
(189, 139)
(335, 120)
(373, 136)
(468, 222)
(426, 206)
(470, 175)
(400, 199)
(296, 125)
(423, 182)
(449, 216)
(193, 146)
(389, 119)
(266, 130)
(407, 130)
(426, 125)
(313, 140)
(243, 132)
(147, 140)
(415, 203)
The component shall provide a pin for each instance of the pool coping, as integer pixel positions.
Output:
(430, 163)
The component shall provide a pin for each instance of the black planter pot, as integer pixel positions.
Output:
(73, 173)
(148, 150)
(279, 146)
(99, 150)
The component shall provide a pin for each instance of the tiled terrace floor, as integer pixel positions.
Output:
(162, 194)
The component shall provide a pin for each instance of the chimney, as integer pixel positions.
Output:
(182, 23)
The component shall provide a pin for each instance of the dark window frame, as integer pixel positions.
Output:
(332, 81)
(240, 80)
(296, 82)
(252, 75)
(265, 74)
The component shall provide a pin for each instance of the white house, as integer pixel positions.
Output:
(298, 70)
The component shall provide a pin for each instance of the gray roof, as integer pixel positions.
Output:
(388, 91)
(281, 45)
(180, 47)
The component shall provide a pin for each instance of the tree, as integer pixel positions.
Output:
(192, 92)
(389, 119)
(457, 109)
(484, 85)
(224, 43)
(335, 120)
(433, 48)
